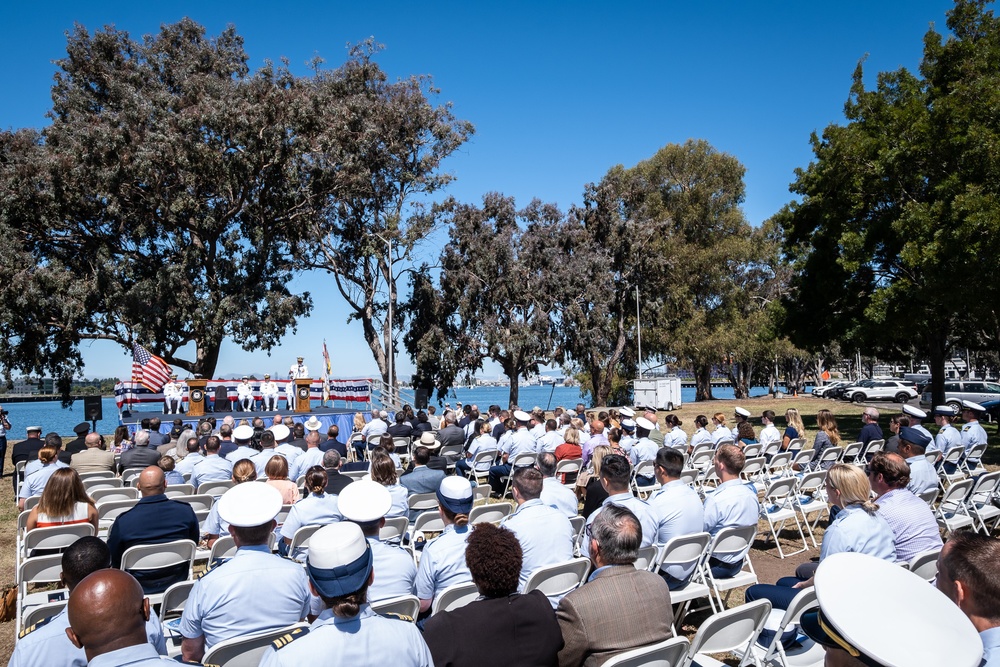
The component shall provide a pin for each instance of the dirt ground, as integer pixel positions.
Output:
(764, 556)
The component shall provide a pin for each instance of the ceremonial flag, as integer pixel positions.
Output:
(326, 357)
(149, 369)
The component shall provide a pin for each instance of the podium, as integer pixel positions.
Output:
(197, 398)
(302, 395)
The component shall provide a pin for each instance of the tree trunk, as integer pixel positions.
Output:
(938, 352)
(703, 382)
(375, 345)
(207, 359)
(738, 379)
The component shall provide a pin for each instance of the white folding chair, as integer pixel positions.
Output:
(779, 509)
(810, 499)
(54, 538)
(555, 581)
(215, 488)
(481, 492)
(43, 611)
(246, 651)
(479, 468)
(422, 502)
(803, 459)
(454, 597)
(171, 607)
(142, 557)
(523, 460)
(579, 523)
(929, 496)
(130, 474)
(175, 490)
(19, 476)
(406, 606)
(780, 465)
(428, 522)
(353, 474)
(97, 474)
(702, 457)
(980, 501)
(731, 630)
(689, 476)
(669, 653)
(110, 510)
(975, 454)
(730, 542)
(198, 501)
(682, 555)
(568, 470)
(494, 513)
(646, 558)
(806, 653)
(852, 453)
(394, 529)
(36, 571)
(102, 483)
(951, 459)
(754, 469)
(108, 494)
(752, 450)
(952, 513)
(31, 501)
(924, 564)
(770, 449)
(830, 455)
(873, 448)
(451, 453)
(795, 445)
(645, 469)
(300, 542)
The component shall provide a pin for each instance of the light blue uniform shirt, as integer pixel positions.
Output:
(35, 483)
(213, 469)
(559, 496)
(241, 452)
(505, 442)
(722, 433)
(482, 444)
(644, 450)
(678, 511)
(312, 510)
(732, 504)
(700, 437)
(260, 459)
(932, 447)
(394, 570)
(991, 647)
(545, 534)
(857, 531)
(365, 639)
(36, 465)
(186, 465)
(251, 592)
(549, 441)
(400, 501)
(289, 451)
(47, 645)
(139, 655)
(312, 457)
(973, 434)
(522, 442)
(677, 438)
(214, 525)
(627, 443)
(922, 475)
(442, 563)
(947, 438)
(638, 507)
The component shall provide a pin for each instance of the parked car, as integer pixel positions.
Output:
(956, 391)
(881, 390)
(825, 389)
(840, 392)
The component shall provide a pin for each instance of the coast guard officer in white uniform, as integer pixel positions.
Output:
(244, 394)
(254, 590)
(172, 393)
(269, 394)
(295, 371)
(348, 632)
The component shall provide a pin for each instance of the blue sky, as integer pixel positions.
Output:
(559, 92)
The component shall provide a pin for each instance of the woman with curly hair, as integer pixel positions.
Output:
(383, 471)
(520, 629)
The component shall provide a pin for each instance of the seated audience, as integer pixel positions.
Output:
(64, 501)
(442, 562)
(732, 504)
(913, 525)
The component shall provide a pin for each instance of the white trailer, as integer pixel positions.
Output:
(660, 393)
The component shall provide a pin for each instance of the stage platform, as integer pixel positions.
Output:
(342, 417)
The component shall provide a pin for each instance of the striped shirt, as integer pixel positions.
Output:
(913, 525)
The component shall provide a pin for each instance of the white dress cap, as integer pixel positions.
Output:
(521, 416)
(642, 422)
(249, 504)
(626, 412)
(743, 412)
(364, 501)
(280, 432)
(914, 412)
(940, 633)
(243, 432)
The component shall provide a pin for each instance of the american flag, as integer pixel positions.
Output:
(149, 369)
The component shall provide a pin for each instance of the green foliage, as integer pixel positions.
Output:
(898, 228)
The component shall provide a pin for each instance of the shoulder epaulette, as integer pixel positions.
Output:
(289, 637)
(395, 616)
(31, 628)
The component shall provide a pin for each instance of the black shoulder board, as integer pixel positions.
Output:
(398, 617)
(31, 628)
(289, 637)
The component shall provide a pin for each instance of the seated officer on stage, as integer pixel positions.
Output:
(253, 591)
(45, 643)
(347, 632)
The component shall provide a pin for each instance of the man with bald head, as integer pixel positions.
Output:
(45, 643)
(93, 458)
(107, 619)
(153, 520)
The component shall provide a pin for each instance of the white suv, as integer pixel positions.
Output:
(882, 390)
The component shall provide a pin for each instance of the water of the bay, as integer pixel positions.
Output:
(51, 416)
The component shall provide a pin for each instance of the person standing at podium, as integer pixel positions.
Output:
(269, 394)
(296, 371)
(172, 393)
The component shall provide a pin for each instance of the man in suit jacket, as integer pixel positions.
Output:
(422, 479)
(93, 458)
(619, 608)
(335, 482)
(141, 455)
